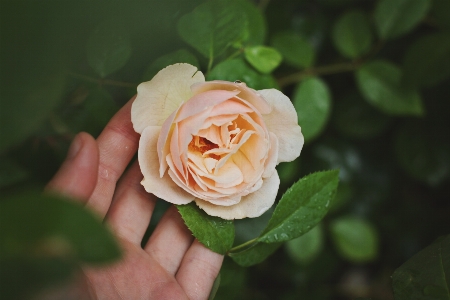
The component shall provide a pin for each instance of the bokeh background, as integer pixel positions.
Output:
(370, 80)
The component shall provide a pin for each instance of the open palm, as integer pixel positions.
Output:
(171, 265)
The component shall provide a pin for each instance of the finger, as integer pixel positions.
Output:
(170, 241)
(132, 207)
(198, 270)
(78, 174)
(117, 144)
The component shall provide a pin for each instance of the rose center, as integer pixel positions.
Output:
(202, 145)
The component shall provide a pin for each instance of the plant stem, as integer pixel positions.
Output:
(104, 81)
(324, 70)
(244, 245)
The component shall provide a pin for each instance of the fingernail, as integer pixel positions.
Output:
(75, 147)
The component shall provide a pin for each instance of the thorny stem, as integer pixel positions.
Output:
(103, 81)
(242, 246)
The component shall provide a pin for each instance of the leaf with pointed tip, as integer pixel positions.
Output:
(352, 35)
(108, 48)
(356, 239)
(255, 254)
(262, 58)
(396, 17)
(379, 82)
(302, 207)
(213, 26)
(215, 233)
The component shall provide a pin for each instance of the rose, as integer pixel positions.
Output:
(216, 143)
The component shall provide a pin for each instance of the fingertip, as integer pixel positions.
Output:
(77, 175)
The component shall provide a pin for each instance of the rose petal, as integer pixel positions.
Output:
(202, 101)
(246, 93)
(251, 206)
(163, 146)
(272, 158)
(250, 174)
(158, 98)
(164, 187)
(283, 122)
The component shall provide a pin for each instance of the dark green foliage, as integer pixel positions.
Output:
(426, 274)
(370, 83)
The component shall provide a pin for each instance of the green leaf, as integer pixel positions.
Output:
(423, 151)
(355, 239)
(379, 82)
(439, 12)
(179, 56)
(305, 249)
(33, 68)
(312, 101)
(262, 58)
(301, 207)
(108, 48)
(352, 35)
(27, 102)
(397, 17)
(354, 117)
(100, 105)
(255, 254)
(60, 228)
(213, 26)
(237, 69)
(427, 61)
(256, 28)
(11, 172)
(295, 49)
(38, 273)
(215, 233)
(426, 276)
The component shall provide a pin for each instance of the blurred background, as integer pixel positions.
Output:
(370, 81)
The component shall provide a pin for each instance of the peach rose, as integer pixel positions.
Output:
(216, 143)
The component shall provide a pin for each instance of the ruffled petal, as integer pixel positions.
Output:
(164, 187)
(272, 158)
(158, 98)
(251, 206)
(283, 122)
(246, 93)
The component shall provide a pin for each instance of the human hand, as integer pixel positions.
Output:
(172, 264)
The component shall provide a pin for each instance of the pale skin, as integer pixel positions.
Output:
(172, 264)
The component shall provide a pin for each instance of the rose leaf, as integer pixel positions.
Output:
(215, 233)
(312, 101)
(302, 207)
(254, 254)
(427, 60)
(108, 48)
(305, 249)
(296, 50)
(238, 69)
(396, 17)
(352, 35)
(379, 83)
(355, 239)
(426, 275)
(262, 58)
(53, 226)
(213, 26)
